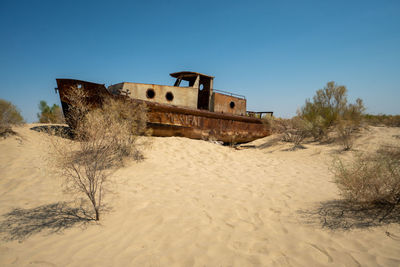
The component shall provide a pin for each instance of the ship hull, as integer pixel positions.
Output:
(168, 120)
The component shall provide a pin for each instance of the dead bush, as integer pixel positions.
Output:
(276, 125)
(370, 178)
(345, 134)
(270, 123)
(293, 130)
(103, 138)
(9, 116)
(296, 130)
(349, 121)
(318, 129)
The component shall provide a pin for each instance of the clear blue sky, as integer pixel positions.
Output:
(277, 53)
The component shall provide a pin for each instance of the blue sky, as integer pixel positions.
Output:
(277, 53)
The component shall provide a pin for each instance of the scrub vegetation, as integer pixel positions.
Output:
(371, 179)
(327, 114)
(9, 116)
(329, 111)
(49, 114)
(102, 140)
(382, 120)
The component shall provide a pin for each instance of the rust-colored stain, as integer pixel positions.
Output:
(194, 111)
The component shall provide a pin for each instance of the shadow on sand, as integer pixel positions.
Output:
(270, 142)
(57, 130)
(19, 224)
(346, 215)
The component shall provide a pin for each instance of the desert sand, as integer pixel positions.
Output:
(194, 203)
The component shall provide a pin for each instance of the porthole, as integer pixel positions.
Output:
(169, 96)
(232, 104)
(150, 93)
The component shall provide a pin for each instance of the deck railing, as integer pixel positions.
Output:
(229, 93)
(259, 114)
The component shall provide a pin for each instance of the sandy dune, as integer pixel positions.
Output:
(192, 203)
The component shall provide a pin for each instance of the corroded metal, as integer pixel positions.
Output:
(201, 124)
(229, 104)
(214, 118)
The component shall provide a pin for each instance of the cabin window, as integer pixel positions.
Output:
(150, 93)
(169, 96)
(184, 83)
(232, 104)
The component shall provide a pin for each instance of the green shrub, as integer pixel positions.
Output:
(9, 116)
(49, 114)
(329, 108)
(327, 103)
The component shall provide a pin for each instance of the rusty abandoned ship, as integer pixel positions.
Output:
(190, 108)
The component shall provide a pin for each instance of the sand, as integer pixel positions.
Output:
(194, 203)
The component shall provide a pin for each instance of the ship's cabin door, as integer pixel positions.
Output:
(203, 100)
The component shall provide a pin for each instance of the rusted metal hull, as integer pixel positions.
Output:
(168, 120)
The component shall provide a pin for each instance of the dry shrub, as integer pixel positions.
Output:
(270, 124)
(104, 138)
(9, 116)
(293, 130)
(345, 134)
(318, 129)
(349, 122)
(297, 129)
(382, 120)
(371, 178)
(276, 125)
